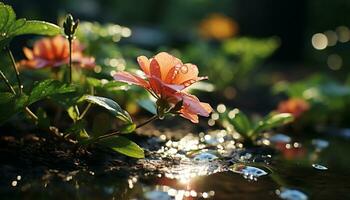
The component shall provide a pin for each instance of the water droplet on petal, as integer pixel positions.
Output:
(319, 167)
(184, 69)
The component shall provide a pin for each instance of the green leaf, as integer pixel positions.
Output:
(148, 105)
(10, 27)
(73, 113)
(67, 100)
(11, 104)
(38, 27)
(127, 128)
(48, 88)
(123, 146)
(273, 121)
(240, 121)
(43, 120)
(111, 106)
(78, 130)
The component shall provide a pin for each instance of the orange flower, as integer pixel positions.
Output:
(218, 26)
(294, 106)
(54, 52)
(166, 79)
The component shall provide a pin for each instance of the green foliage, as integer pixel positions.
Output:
(234, 61)
(43, 119)
(11, 104)
(10, 27)
(78, 130)
(250, 129)
(323, 94)
(49, 88)
(272, 121)
(148, 105)
(111, 106)
(124, 146)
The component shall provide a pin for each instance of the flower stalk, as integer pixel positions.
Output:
(20, 86)
(117, 132)
(70, 27)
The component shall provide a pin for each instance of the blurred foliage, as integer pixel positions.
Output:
(329, 99)
(250, 129)
(232, 62)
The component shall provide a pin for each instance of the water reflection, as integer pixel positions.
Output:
(209, 165)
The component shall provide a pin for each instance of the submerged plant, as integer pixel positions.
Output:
(250, 129)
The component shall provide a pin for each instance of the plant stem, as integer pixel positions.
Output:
(118, 132)
(16, 69)
(26, 109)
(85, 111)
(7, 82)
(31, 114)
(70, 59)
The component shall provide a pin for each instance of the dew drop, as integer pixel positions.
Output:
(184, 69)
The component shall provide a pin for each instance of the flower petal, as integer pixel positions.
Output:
(166, 63)
(193, 105)
(144, 64)
(28, 53)
(187, 74)
(131, 79)
(192, 117)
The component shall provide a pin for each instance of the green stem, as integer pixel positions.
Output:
(16, 69)
(70, 60)
(117, 132)
(85, 111)
(7, 82)
(26, 109)
(31, 114)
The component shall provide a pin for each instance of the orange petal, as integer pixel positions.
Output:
(192, 117)
(144, 64)
(187, 73)
(58, 44)
(131, 79)
(193, 105)
(166, 63)
(28, 53)
(155, 68)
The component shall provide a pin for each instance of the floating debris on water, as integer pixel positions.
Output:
(319, 167)
(291, 194)
(248, 172)
(205, 157)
